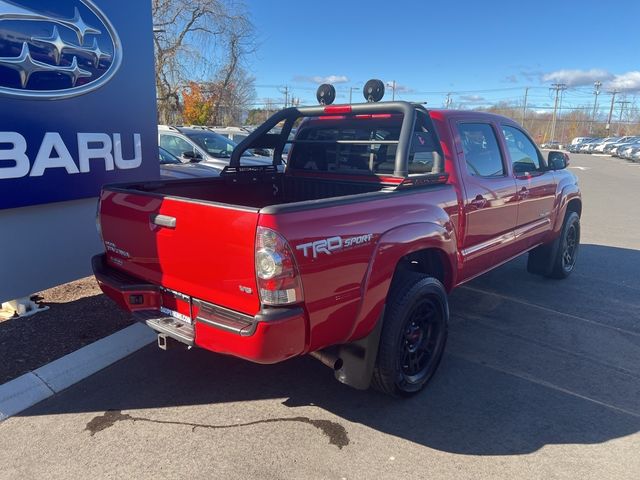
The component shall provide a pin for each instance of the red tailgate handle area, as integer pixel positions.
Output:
(164, 221)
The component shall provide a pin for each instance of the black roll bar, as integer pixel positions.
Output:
(290, 115)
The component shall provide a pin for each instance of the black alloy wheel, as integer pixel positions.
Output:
(413, 335)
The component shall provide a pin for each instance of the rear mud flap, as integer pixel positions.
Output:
(359, 359)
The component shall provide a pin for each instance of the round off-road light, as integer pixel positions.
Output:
(373, 90)
(326, 94)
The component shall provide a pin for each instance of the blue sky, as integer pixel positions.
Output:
(481, 51)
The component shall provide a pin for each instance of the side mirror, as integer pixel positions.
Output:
(192, 156)
(557, 160)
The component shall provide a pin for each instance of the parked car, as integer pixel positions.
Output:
(587, 147)
(575, 147)
(350, 253)
(552, 145)
(238, 134)
(578, 140)
(172, 167)
(621, 141)
(615, 149)
(202, 145)
(600, 146)
(628, 151)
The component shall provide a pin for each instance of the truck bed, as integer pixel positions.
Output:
(283, 189)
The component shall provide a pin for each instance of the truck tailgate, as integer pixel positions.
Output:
(200, 249)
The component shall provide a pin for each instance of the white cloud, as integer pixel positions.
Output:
(320, 79)
(472, 98)
(626, 81)
(574, 78)
(331, 79)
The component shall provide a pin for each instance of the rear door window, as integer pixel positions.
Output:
(481, 151)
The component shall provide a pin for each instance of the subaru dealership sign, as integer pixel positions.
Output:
(77, 111)
(77, 98)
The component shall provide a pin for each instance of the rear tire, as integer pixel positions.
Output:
(558, 259)
(414, 335)
(567, 253)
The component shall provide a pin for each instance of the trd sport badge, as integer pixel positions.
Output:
(51, 50)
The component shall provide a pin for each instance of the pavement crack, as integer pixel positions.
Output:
(336, 433)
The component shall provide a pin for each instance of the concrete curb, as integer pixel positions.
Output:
(33, 387)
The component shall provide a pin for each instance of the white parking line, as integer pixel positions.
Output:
(527, 377)
(580, 168)
(549, 310)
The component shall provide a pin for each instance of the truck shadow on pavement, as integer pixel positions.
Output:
(530, 362)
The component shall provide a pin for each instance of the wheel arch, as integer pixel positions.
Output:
(426, 247)
(570, 200)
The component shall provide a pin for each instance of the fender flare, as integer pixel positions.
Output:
(567, 194)
(390, 248)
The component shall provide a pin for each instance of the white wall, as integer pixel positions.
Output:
(45, 246)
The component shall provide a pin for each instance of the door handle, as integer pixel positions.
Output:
(524, 192)
(164, 221)
(479, 202)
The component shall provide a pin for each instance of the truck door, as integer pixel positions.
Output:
(535, 184)
(490, 199)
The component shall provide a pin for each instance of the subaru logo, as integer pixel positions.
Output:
(53, 50)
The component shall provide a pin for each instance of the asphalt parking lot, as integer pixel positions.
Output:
(541, 379)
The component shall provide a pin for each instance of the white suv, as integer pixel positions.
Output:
(200, 144)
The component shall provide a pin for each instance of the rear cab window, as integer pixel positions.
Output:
(362, 145)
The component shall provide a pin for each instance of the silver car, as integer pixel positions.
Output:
(172, 167)
(199, 144)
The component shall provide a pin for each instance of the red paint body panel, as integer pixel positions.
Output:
(209, 254)
(272, 342)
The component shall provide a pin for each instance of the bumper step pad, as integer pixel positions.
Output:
(174, 328)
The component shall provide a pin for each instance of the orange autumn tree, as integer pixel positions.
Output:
(198, 105)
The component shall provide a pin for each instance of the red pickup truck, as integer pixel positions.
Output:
(349, 253)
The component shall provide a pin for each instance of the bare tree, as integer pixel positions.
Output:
(195, 40)
(235, 84)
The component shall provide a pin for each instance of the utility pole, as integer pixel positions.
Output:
(351, 89)
(622, 105)
(596, 92)
(613, 98)
(285, 90)
(564, 121)
(558, 87)
(524, 107)
(447, 102)
(392, 84)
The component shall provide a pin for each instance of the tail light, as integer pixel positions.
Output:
(276, 271)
